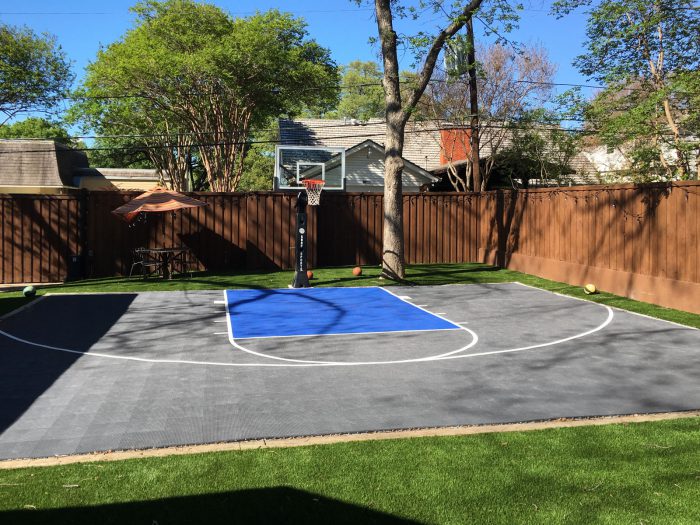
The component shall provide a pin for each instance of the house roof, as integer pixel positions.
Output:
(118, 173)
(38, 163)
(369, 143)
(421, 143)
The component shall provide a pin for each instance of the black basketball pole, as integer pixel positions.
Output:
(301, 280)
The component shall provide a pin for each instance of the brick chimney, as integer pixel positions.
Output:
(454, 145)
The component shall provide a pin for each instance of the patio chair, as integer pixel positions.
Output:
(148, 264)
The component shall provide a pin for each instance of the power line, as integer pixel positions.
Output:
(346, 87)
(350, 124)
(245, 143)
(299, 11)
(236, 13)
(440, 126)
(56, 13)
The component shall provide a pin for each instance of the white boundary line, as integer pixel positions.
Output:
(253, 338)
(455, 325)
(55, 294)
(449, 355)
(655, 318)
(542, 345)
(22, 308)
(475, 339)
(419, 307)
(130, 358)
(459, 350)
(613, 307)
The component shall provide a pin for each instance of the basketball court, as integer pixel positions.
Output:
(83, 373)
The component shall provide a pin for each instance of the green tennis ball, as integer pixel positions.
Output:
(29, 291)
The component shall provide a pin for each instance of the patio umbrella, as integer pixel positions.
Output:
(156, 200)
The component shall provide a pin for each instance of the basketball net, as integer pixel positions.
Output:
(313, 191)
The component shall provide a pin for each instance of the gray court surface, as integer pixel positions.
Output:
(83, 373)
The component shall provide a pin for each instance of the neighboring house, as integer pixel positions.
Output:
(364, 170)
(38, 166)
(611, 165)
(506, 168)
(434, 147)
(364, 152)
(49, 167)
(115, 178)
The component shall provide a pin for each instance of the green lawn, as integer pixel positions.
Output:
(419, 274)
(635, 473)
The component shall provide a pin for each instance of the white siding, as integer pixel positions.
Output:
(364, 171)
(421, 142)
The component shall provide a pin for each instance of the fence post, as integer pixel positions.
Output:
(83, 216)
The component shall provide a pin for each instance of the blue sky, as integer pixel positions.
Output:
(81, 26)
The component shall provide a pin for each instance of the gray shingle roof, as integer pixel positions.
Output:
(421, 146)
(118, 173)
(45, 163)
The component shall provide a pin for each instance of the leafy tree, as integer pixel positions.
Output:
(203, 80)
(34, 72)
(510, 85)
(645, 52)
(537, 148)
(399, 107)
(136, 133)
(362, 96)
(119, 152)
(36, 128)
(259, 163)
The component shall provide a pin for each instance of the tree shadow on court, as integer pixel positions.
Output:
(436, 274)
(71, 322)
(278, 505)
(309, 300)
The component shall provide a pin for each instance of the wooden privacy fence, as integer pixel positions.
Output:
(640, 241)
(50, 239)
(38, 235)
(635, 240)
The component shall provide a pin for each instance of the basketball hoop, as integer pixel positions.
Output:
(313, 190)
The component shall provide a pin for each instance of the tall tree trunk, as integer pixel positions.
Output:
(473, 107)
(393, 264)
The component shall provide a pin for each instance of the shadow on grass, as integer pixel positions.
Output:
(422, 275)
(425, 275)
(7, 304)
(278, 505)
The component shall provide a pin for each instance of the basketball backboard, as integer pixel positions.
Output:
(294, 164)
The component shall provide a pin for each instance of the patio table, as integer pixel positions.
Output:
(166, 256)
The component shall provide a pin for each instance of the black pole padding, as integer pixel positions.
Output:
(302, 201)
(301, 280)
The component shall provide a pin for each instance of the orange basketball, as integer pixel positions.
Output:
(357, 271)
(309, 274)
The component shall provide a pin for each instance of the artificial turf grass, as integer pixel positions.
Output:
(418, 275)
(618, 473)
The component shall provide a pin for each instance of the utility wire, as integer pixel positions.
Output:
(346, 87)
(252, 142)
(446, 124)
(296, 11)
